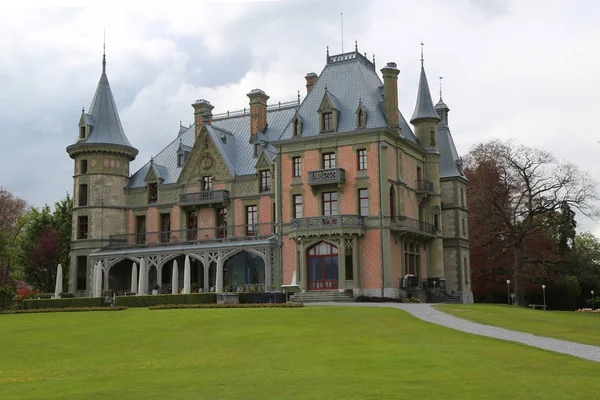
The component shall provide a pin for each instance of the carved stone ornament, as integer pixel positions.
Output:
(206, 161)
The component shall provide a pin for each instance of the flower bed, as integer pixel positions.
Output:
(68, 309)
(249, 305)
(588, 310)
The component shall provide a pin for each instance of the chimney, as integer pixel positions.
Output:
(258, 111)
(390, 94)
(202, 114)
(311, 78)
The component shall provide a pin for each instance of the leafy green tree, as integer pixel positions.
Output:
(12, 221)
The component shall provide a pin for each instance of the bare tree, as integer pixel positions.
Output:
(525, 185)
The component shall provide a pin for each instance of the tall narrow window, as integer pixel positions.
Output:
(349, 265)
(363, 202)
(82, 227)
(328, 122)
(192, 225)
(328, 160)
(436, 222)
(221, 223)
(432, 138)
(466, 269)
(360, 118)
(297, 206)
(330, 206)
(207, 183)
(362, 159)
(180, 160)
(140, 230)
(83, 166)
(83, 194)
(265, 181)
(152, 192)
(464, 227)
(297, 161)
(251, 221)
(165, 227)
(82, 132)
(462, 197)
(392, 203)
(81, 272)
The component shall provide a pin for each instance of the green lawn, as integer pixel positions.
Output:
(565, 325)
(306, 353)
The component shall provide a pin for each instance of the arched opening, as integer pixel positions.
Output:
(196, 275)
(323, 267)
(119, 277)
(392, 203)
(244, 272)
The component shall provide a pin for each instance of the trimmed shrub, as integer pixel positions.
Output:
(77, 302)
(155, 300)
(373, 299)
(44, 295)
(69, 309)
(67, 295)
(252, 305)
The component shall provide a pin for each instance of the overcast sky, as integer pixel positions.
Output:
(523, 69)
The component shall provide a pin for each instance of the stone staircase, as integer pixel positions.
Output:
(322, 296)
(450, 299)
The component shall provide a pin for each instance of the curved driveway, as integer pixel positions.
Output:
(427, 313)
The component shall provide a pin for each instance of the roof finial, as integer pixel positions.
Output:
(342, 18)
(422, 44)
(298, 97)
(151, 159)
(356, 45)
(104, 54)
(373, 59)
(180, 124)
(441, 77)
(82, 110)
(327, 52)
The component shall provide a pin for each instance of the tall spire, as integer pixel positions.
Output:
(441, 108)
(104, 54)
(424, 108)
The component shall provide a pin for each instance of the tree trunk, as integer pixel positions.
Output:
(519, 299)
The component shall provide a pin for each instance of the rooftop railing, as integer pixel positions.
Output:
(204, 197)
(327, 221)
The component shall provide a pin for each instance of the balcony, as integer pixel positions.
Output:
(423, 186)
(326, 225)
(326, 176)
(413, 226)
(205, 197)
(214, 234)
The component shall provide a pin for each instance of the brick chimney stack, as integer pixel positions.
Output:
(311, 78)
(202, 114)
(258, 111)
(390, 94)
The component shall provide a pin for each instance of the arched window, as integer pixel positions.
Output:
(322, 265)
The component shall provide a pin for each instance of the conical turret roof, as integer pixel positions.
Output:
(424, 108)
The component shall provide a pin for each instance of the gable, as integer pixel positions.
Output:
(263, 162)
(204, 159)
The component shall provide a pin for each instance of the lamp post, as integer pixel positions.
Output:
(593, 300)
(508, 290)
(544, 294)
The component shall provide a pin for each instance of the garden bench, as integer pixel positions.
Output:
(537, 306)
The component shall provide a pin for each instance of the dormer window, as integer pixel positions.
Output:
(361, 116)
(297, 125)
(82, 132)
(180, 160)
(152, 192)
(328, 113)
(328, 122)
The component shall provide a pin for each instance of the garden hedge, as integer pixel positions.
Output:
(64, 303)
(156, 300)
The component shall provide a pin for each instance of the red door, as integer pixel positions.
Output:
(322, 265)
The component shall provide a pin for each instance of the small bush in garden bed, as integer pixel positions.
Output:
(373, 299)
(156, 300)
(76, 302)
(252, 305)
(68, 309)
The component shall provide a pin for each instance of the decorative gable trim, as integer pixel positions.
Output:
(329, 105)
(297, 125)
(263, 162)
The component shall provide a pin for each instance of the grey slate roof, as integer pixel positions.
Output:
(449, 158)
(348, 81)
(236, 150)
(106, 125)
(424, 108)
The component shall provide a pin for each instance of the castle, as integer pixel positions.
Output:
(335, 194)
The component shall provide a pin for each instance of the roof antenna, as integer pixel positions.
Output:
(342, 18)
(441, 77)
(422, 44)
(104, 54)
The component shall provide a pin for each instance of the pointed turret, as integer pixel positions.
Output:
(424, 108)
(442, 110)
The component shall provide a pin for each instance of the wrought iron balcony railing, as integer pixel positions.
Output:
(415, 224)
(327, 221)
(205, 197)
(424, 186)
(209, 234)
(326, 176)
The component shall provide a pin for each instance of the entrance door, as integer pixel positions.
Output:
(322, 265)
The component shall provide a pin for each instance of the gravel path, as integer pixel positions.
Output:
(427, 313)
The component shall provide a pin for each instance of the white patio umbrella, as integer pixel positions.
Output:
(186, 276)
(175, 278)
(134, 278)
(59, 282)
(142, 287)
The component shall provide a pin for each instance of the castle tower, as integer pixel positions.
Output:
(425, 120)
(454, 211)
(101, 156)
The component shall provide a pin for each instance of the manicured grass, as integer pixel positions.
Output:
(303, 353)
(566, 325)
